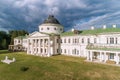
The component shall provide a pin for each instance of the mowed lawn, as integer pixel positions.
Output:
(54, 68)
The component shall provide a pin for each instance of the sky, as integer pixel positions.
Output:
(79, 14)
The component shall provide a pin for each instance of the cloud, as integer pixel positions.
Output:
(28, 14)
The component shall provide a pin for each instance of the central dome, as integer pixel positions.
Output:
(51, 19)
(51, 25)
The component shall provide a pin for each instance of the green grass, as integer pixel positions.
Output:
(55, 68)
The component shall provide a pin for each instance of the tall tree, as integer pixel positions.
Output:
(8, 38)
(16, 33)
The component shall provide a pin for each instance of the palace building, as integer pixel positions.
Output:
(100, 45)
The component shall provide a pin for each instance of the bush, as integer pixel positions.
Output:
(110, 62)
(24, 68)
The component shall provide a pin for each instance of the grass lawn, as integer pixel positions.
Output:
(54, 68)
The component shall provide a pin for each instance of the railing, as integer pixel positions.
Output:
(91, 45)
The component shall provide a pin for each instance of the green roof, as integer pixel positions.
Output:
(70, 33)
(92, 32)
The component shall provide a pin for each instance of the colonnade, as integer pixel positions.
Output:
(41, 47)
(102, 56)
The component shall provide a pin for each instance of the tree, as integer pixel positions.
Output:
(16, 33)
(4, 40)
(8, 38)
(3, 44)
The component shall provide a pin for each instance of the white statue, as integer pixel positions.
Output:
(13, 60)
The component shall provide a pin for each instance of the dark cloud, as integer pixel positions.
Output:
(81, 14)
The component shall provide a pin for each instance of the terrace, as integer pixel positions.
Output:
(111, 47)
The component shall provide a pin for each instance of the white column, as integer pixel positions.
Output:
(51, 50)
(51, 47)
(31, 46)
(28, 44)
(38, 46)
(35, 46)
(91, 56)
(105, 57)
(88, 55)
(48, 52)
(43, 47)
(108, 40)
(117, 58)
(100, 57)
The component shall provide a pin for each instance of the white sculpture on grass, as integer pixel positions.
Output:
(8, 61)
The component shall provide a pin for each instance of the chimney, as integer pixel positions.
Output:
(114, 25)
(92, 28)
(104, 26)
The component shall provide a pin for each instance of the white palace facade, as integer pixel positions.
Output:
(101, 45)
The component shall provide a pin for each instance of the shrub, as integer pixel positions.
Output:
(110, 62)
(24, 68)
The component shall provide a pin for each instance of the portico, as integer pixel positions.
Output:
(103, 56)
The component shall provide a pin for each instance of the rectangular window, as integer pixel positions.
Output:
(41, 40)
(68, 40)
(88, 40)
(45, 50)
(45, 40)
(61, 40)
(57, 50)
(78, 40)
(73, 40)
(64, 40)
(111, 56)
(95, 41)
(82, 40)
(116, 41)
(18, 41)
(57, 40)
(107, 40)
(64, 50)
(111, 40)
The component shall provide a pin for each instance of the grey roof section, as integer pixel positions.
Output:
(51, 19)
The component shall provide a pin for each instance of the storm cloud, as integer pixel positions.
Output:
(80, 14)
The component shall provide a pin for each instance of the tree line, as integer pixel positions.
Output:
(7, 38)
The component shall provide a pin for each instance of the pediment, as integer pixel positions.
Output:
(37, 34)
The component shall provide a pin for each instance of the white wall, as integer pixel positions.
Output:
(57, 29)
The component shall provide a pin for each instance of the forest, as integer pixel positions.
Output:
(7, 38)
